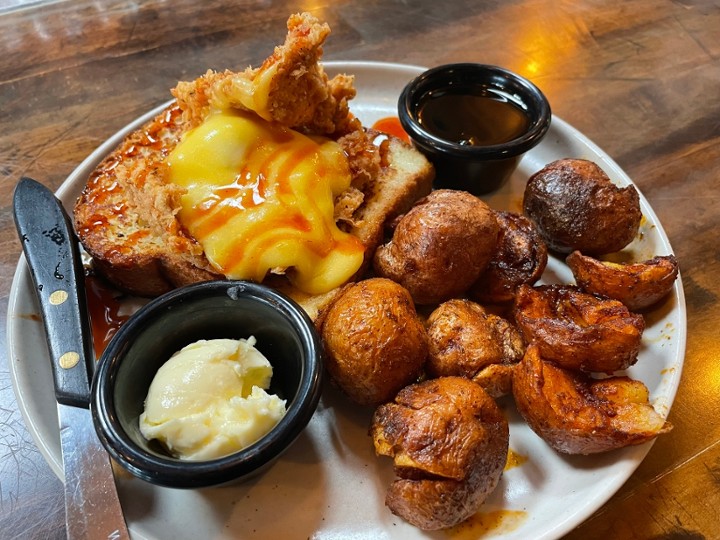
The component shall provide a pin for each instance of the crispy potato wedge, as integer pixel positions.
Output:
(576, 414)
(449, 441)
(374, 341)
(467, 341)
(578, 330)
(637, 285)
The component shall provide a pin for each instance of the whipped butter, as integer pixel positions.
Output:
(209, 400)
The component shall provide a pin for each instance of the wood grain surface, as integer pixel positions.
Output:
(641, 79)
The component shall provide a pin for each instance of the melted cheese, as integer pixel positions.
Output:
(261, 197)
(251, 93)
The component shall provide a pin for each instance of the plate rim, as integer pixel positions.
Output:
(21, 276)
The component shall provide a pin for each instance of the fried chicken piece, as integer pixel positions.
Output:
(365, 157)
(290, 88)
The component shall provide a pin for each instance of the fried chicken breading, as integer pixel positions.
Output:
(290, 88)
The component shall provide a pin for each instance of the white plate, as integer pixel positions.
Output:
(330, 484)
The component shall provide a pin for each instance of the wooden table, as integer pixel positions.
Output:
(641, 79)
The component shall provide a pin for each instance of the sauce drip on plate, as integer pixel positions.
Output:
(104, 308)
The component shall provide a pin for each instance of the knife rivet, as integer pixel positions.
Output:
(69, 360)
(58, 297)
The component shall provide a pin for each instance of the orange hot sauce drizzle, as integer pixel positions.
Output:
(104, 310)
(391, 126)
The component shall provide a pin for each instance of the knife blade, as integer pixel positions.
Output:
(92, 506)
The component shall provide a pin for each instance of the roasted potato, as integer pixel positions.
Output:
(467, 341)
(520, 258)
(578, 330)
(440, 247)
(374, 342)
(496, 379)
(449, 441)
(577, 207)
(637, 285)
(576, 414)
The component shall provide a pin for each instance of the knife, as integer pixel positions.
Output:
(92, 506)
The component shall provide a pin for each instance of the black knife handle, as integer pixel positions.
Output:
(52, 254)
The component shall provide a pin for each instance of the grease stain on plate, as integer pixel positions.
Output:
(485, 524)
(514, 460)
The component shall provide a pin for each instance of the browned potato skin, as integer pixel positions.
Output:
(578, 330)
(576, 414)
(374, 342)
(449, 441)
(465, 340)
(520, 258)
(496, 379)
(577, 207)
(637, 285)
(440, 247)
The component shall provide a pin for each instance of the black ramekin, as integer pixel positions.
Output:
(208, 310)
(477, 169)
